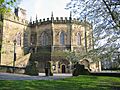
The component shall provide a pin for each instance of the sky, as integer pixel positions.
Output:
(44, 8)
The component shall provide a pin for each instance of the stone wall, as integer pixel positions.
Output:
(57, 29)
(71, 31)
(46, 29)
(54, 27)
(13, 29)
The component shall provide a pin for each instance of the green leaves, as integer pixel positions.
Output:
(6, 5)
(106, 24)
(1, 1)
(72, 56)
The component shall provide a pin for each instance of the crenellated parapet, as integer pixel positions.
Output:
(13, 18)
(57, 20)
(50, 20)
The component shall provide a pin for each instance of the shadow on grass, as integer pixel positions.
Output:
(75, 83)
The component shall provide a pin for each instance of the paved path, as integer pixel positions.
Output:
(10, 76)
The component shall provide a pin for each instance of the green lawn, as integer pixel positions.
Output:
(75, 83)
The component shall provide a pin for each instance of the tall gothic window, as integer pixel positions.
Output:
(44, 39)
(33, 38)
(62, 38)
(78, 39)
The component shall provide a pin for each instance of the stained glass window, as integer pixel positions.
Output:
(62, 38)
(44, 39)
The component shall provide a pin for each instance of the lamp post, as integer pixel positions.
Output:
(14, 58)
(85, 35)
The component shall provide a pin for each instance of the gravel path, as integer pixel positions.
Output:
(10, 76)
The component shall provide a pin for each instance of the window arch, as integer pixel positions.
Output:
(44, 39)
(78, 39)
(62, 38)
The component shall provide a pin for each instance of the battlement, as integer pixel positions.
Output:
(57, 20)
(12, 17)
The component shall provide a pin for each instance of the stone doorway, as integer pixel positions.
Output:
(63, 68)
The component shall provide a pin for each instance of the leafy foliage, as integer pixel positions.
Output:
(105, 17)
(6, 5)
(79, 70)
(32, 69)
(72, 57)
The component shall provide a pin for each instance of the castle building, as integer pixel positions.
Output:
(43, 41)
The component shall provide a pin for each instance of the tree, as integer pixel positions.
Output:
(6, 5)
(105, 17)
(72, 57)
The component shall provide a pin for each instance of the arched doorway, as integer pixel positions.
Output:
(63, 68)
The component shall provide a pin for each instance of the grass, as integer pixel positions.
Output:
(83, 82)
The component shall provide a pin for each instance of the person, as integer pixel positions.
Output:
(46, 72)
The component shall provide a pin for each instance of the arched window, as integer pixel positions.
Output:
(78, 39)
(44, 39)
(62, 38)
(33, 38)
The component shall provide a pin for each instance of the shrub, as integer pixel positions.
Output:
(32, 69)
(79, 70)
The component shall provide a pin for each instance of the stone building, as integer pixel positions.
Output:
(13, 28)
(43, 41)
